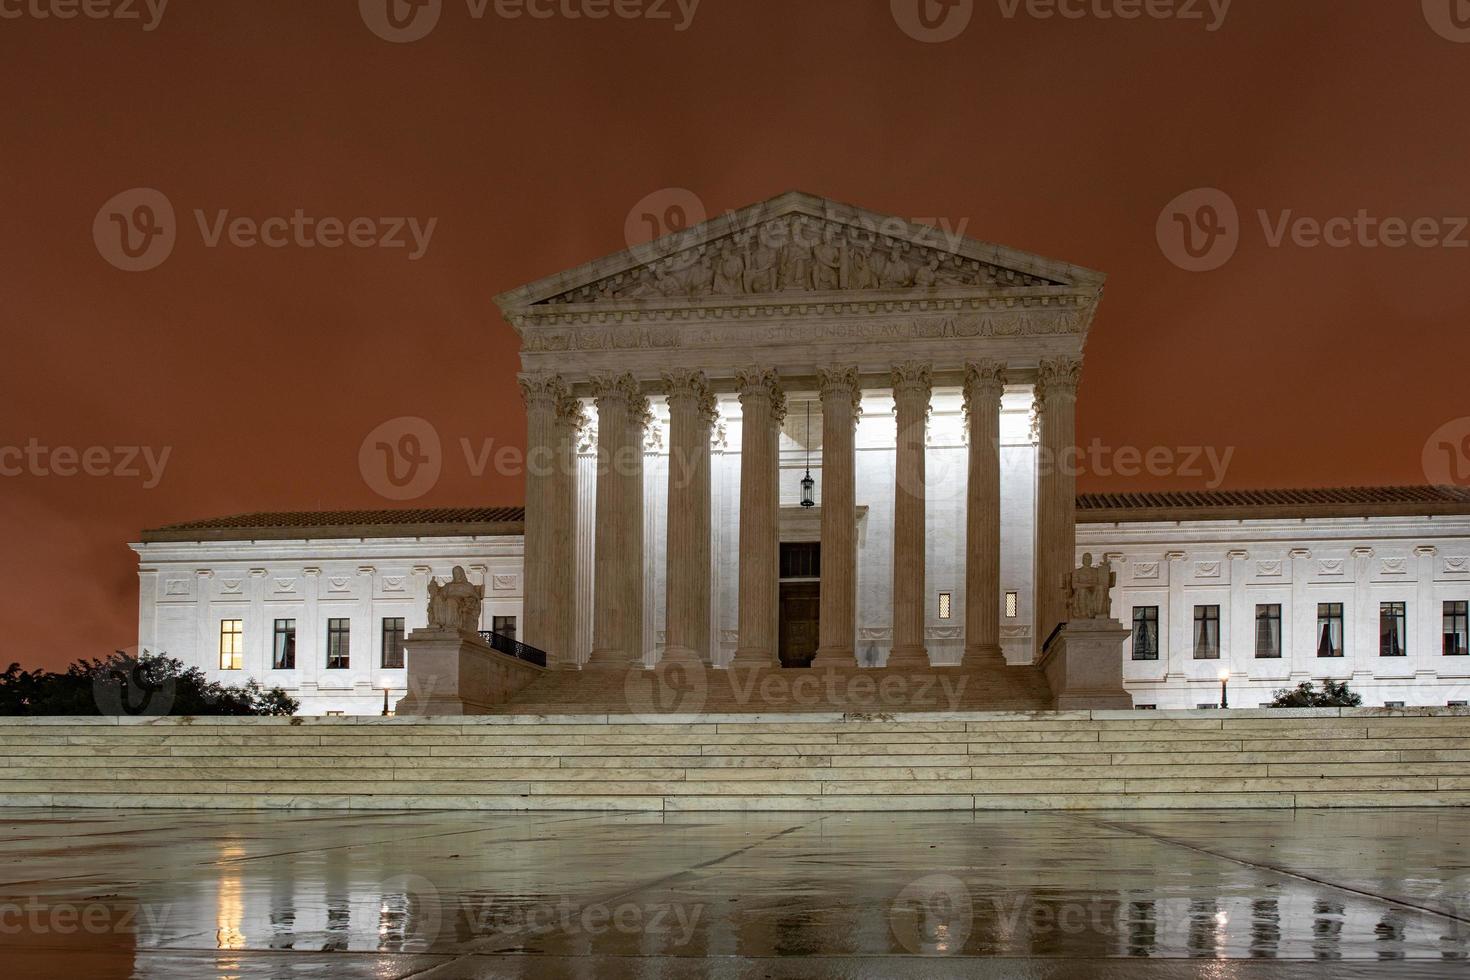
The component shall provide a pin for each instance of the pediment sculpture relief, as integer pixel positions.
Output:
(798, 254)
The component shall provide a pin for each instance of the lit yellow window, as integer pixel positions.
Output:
(231, 644)
(1013, 602)
(946, 605)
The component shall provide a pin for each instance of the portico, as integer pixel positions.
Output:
(658, 366)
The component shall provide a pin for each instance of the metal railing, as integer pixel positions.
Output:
(512, 647)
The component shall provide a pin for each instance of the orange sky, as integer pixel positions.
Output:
(260, 370)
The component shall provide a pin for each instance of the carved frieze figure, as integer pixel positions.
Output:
(455, 605)
(760, 269)
(1089, 590)
(928, 275)
(896, 271)
(829, 263)
(729, 279)
(796, 266)
(861, 274)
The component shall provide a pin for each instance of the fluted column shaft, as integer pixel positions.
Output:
(763, 407)
(841, 396)
(541, 394)
(617, 587)
(911, 389)
(687, 605)
(1056, 517)
(570, 419)
(984, 385)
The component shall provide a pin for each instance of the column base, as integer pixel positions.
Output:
(979, 654)
(909, 655)
(682, 655)
(835, 657)
(607, 660)
(754, 657)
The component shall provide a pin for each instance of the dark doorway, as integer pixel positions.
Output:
(801, 592)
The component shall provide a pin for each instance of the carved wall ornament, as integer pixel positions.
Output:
(1330, 566)
(231, 586)
(1146, 570)
(1457, 565)
(339, 583)
(505, 583)
(1269, 568)
(176, 586)
(1395, 566)
(393, 583)
(1207, 569)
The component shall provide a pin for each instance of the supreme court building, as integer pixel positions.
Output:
(805, 433)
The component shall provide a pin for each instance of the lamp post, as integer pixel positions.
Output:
(1224, 688)
(387, 685)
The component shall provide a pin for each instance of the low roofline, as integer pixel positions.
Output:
(336, 532)
(1265, 505)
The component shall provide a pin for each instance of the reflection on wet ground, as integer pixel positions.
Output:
(365, 894)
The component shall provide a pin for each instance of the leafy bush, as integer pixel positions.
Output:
(124, 684)
(1334, 694)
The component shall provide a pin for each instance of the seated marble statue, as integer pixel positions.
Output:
(1089, 588)
(455, 605)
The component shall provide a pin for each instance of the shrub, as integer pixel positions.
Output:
(124, 684)
(1334, 694)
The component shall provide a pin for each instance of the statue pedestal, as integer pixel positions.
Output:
(1084, 665)
(454, 673)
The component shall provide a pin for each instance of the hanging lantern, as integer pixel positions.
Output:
(808, 485)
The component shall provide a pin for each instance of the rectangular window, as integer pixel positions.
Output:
(392, 642)
(1207, 632)
(504, 625)
(283, 645)
(1145, 632)
(1456, 628)
(1458, 704)
(1145, 707)
(1329, 629)
(1393, 704)
(1013, 605)
(1268, 631)
(339, 644)
(1214, 706)
(801, 559)
(1393, 628)
(946, 605)
(231, 644)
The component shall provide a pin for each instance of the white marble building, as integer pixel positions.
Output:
(676, 395)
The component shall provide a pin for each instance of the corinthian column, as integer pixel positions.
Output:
(570, 420)
(617, 585)
(841, 396)
(691, 415)
(984, 385)
(911, 388)
(763, 407)
(541, 394)
(1056, 496)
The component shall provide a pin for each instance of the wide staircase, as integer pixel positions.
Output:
(813, 761)
(983, 684)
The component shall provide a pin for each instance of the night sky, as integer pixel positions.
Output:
(528, 142)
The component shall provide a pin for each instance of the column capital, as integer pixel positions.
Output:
(608, 388)
(693, 386)
(1058, 376)
(912, 377)
(985, 381)
(570, 411)
(759, 382)
(542, 391)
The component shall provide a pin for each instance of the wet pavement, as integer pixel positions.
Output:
(250, 894)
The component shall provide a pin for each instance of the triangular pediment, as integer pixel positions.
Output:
(799, 247)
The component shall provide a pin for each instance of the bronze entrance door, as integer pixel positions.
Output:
(800, 608)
